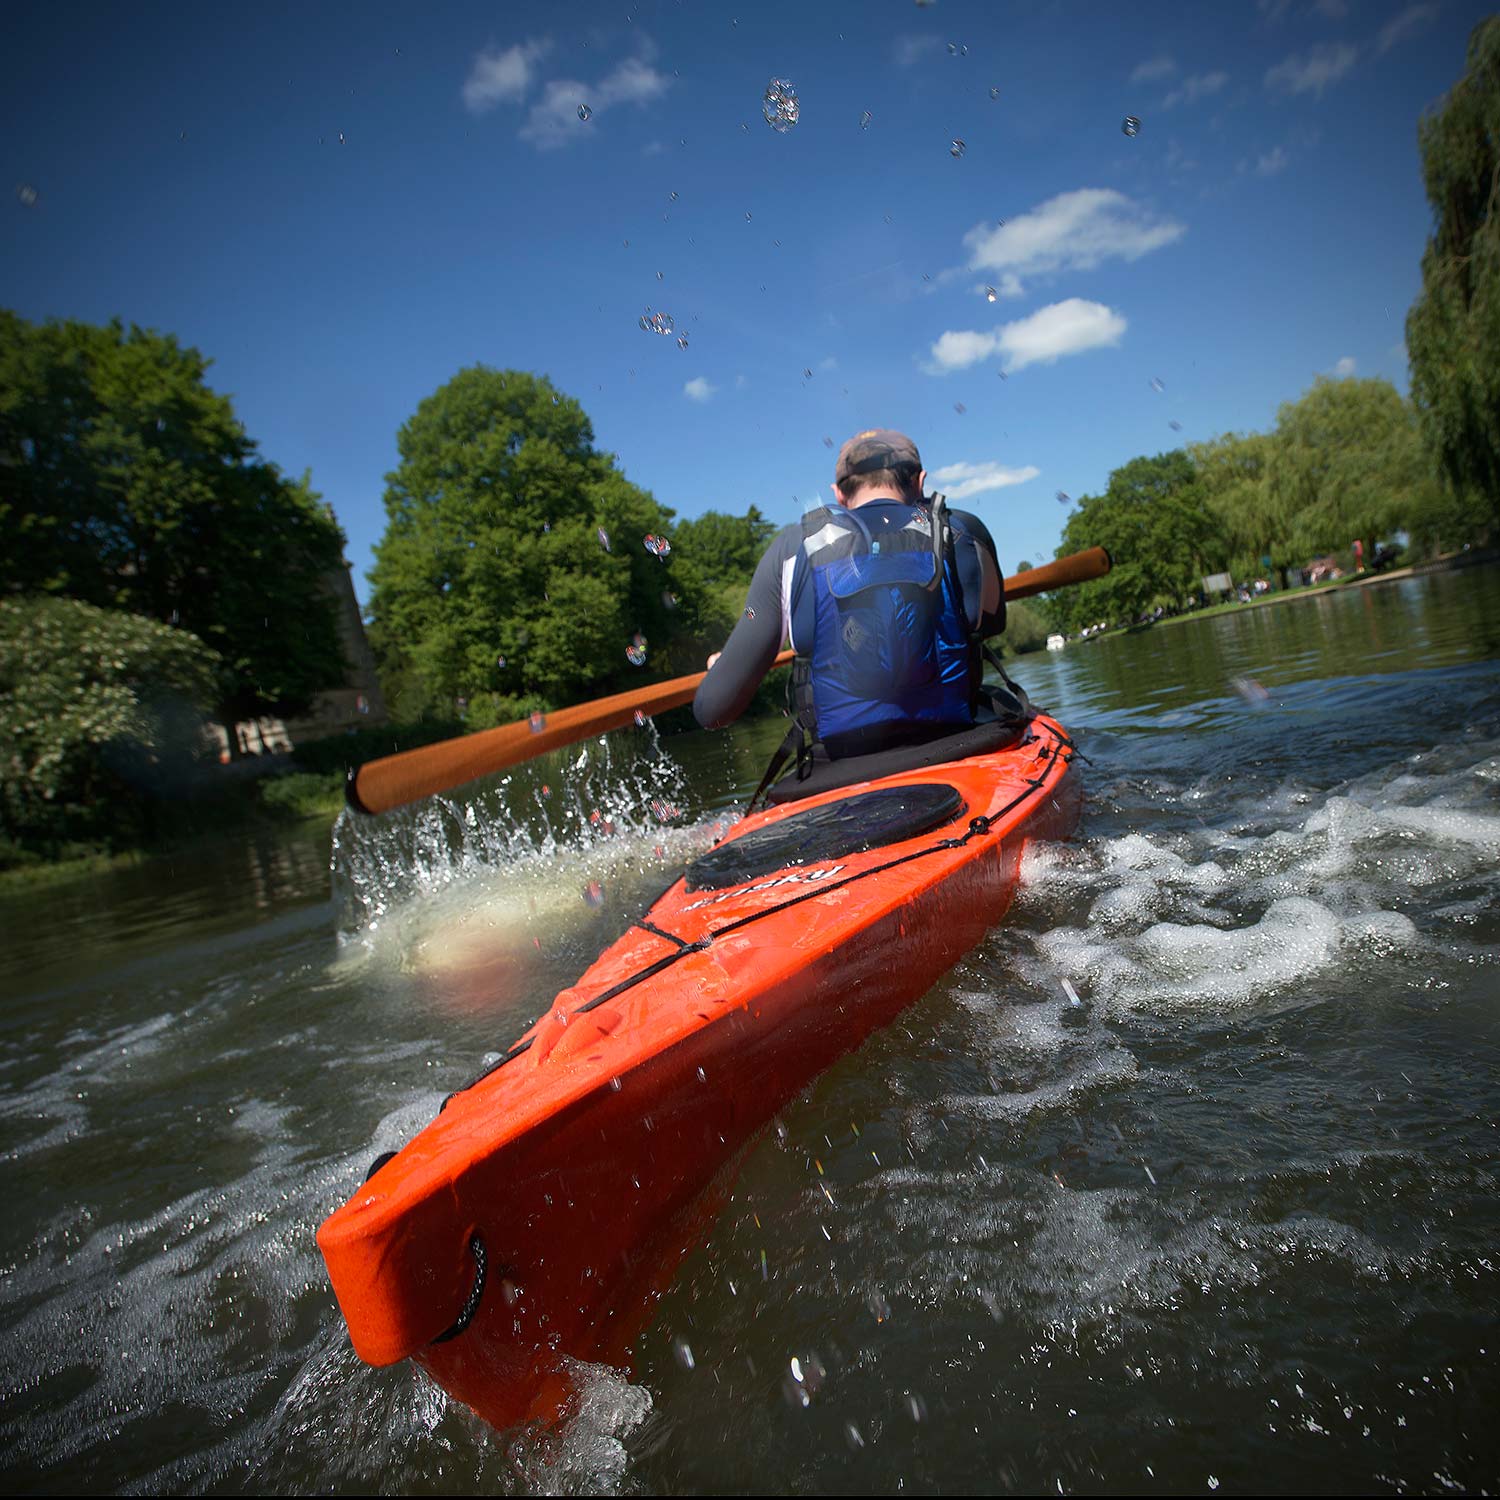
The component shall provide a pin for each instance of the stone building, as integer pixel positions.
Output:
(355, 703)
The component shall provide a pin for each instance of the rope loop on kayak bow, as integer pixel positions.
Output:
(471, 1303)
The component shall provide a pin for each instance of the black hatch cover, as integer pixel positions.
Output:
(836, 828)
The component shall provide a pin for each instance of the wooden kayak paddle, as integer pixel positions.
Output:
(394, 780)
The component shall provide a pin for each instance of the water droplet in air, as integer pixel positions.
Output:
(656, 322)
(362, 704)
(668, 599)
(864, 120)
(603, 536)
(994, 93)
(878, 1305)
(1175, 426)
(1130, 125)
(593, 893)
(853, 1436)
(780, 105)
(28, 194)
(538, 721)
(672, 197)
(584, 112)
(500, 662)
(1062, 498)
(828, 442)
(747, 217)
(952, 49)
(959, 407)
(636, 655)
(661, 276)
(615, 1084)
(682, 1352)
(641, 720)
(990, 294)
(1157, 386)
(957, 149)
(657, 546)
(682, 341)
(916, 1407)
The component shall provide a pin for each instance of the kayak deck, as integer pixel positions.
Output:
(537, 1216)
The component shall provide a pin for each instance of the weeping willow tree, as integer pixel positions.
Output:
(1453, 328)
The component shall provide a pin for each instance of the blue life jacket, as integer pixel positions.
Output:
(883, 625)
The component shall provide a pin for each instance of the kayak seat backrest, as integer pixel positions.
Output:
(830, 831)
(829, 775)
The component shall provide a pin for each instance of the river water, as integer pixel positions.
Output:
(1231, 1223)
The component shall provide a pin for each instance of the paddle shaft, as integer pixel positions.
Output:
(393, 781)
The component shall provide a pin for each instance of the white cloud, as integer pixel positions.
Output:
(634, 81)
(1152, 69)
(1345, 367)
(907, 51)
(698, 389)
(1074, 231)
(960, 481)
(957, 350)
(1042, 338)
(553, 120)
(1413, 18)
(1312, 71)
(1269, 163)
(499, 76)
(1068, 327)
(1197, 86)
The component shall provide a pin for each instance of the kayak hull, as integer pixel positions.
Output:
(546, 1208)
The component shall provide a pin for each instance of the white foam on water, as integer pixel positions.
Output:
(610, 802)
(588, 1454)
(1277, 891)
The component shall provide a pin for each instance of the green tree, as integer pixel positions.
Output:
(1248, 526)
(98, 709)
(726, 548)
(1346, 462)
(513, 571)
(1157, 531)
(128, 483)
(1453, 328)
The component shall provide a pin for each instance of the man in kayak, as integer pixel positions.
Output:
(884, 596)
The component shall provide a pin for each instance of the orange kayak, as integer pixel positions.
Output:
(534, 1220)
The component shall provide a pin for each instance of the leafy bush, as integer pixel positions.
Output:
(301, 794)
(99, 709)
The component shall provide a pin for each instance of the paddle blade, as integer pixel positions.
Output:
(393, 781)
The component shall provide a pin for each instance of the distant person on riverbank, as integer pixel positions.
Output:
(885, 596)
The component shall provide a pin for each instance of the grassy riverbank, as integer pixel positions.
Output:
(1443, 563)
(236, 807)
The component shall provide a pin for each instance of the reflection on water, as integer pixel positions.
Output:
(1227, 1221)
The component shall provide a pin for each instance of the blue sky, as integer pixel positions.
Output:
(344, 205)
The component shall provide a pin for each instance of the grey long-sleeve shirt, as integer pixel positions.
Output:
(764, 623)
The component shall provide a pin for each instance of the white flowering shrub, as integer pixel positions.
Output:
(98, 709)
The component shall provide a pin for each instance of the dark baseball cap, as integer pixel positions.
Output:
(879, 448)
